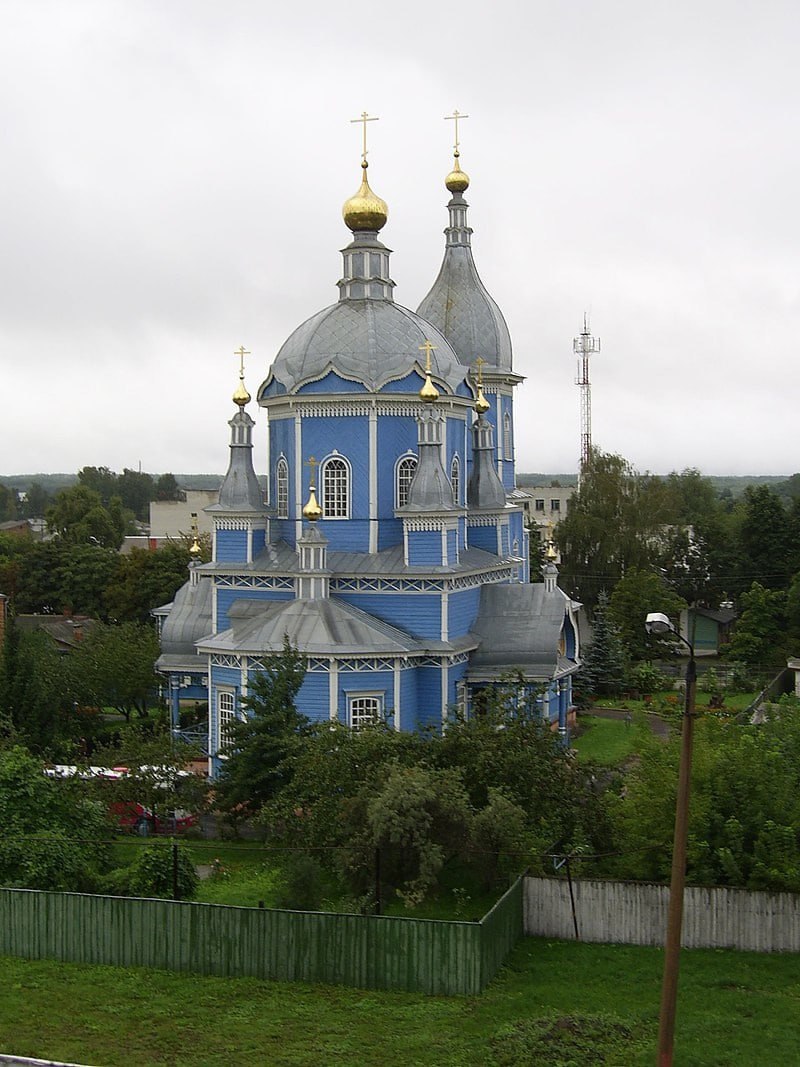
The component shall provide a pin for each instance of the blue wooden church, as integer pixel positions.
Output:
(388, 548)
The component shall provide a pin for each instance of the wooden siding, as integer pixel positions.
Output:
(373, 952)
(633, 913)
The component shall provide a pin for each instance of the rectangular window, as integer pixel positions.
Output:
(555, 505)
(539, 505)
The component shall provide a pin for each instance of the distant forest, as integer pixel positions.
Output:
(736, 484)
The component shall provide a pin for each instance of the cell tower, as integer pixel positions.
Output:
(584, 346)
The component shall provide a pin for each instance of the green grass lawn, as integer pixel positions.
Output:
(606, 741)
(556, 1003)
(672, 699)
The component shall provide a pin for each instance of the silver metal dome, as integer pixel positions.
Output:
(371, 342)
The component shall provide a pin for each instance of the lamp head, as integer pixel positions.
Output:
(658, 623)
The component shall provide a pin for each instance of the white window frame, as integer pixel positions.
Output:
(364, 709)
(339, 506)
(507, 445)
(282, 488)
(455, 478)
(404, 471)
(225, 714)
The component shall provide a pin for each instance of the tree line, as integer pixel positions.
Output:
(633, 543)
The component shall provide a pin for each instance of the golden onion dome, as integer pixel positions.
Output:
(428, 394)
(482, 405)
(457, 181)
(312, 511)
(241, 395)
(365, 210)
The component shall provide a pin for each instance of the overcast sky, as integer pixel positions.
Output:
(172, 181)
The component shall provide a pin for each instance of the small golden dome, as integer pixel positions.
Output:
(428, 394)
(482, 405)
(312, 511)
(241, 396)
(365, 210)
(195, 549)
(457, 181)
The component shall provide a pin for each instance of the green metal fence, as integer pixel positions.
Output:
(373, 952)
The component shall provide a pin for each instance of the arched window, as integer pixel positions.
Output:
(226, 711)
(404, 472)
(335, 488)
(507, 454)
(455, 480)
(282, 488)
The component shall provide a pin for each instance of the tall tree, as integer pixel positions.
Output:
(759, 638)
(615, 522)
(78, 516)
(144, 580)
(115, 666)
(635, 596)
(261, 745)
(602, 671)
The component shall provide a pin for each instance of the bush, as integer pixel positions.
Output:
(151, 875)
(302, 886)
(647, 678)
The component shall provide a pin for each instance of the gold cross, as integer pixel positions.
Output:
(241, 352)
(312, 462)
(365, 118)
(454, 118)
(479, 363)
(427, 348)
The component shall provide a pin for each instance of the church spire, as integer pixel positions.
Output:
(485, 491)
(240, 491)
(458, 303)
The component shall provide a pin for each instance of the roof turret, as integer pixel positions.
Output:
(459, 304)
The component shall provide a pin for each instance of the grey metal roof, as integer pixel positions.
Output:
(460, 305)
(315, 627)
(240, 491)
(485, 491)
(368, 341)
(520, 627)
(189, 619)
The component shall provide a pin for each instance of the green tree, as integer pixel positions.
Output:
(765, 538)
(167, 488)
(615, 522)
(417, 820)
(53, 836)
(603, 665)
(115, 665)
(759, 638)
(36, 501)
(9, 504)
(78, 516)
(261, 746)
(144, 580)
(136, 489)
(37, 690)
(100, 480)
(637, 594)
(59, 576)
(744, 813)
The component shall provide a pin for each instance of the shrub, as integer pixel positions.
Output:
(151, 875)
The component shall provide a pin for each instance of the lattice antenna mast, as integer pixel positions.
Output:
(584, 346)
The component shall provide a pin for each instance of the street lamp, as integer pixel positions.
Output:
(658, 623)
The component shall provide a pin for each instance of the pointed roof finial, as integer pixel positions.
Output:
(241, 396)
(428, 394)
(312, 511)
(457, 181)
(365, 210)
(194, 548)
(482, 405)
